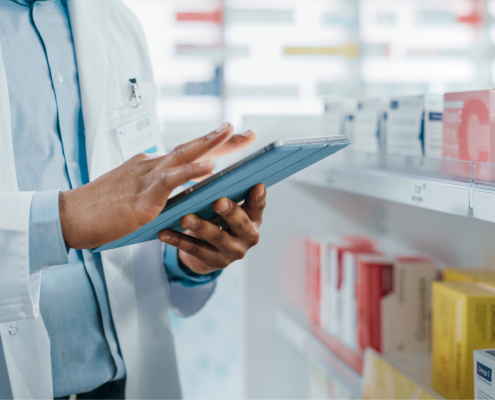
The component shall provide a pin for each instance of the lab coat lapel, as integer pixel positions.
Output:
(90, 36)
(8, 180)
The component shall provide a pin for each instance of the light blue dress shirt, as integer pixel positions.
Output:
(50, 153)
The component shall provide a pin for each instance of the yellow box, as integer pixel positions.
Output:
(467, 275)
(463, 320)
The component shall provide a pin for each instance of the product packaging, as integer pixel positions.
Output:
(315, 248)
(468, 275)
(368, 127)
(332, 279)
(484, 366)
(414, 126)
(348, 331)
(469, 128)
(394, 298)
(463, 320)
(337, 111)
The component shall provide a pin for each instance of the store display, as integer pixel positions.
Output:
(394, 298)
(368, 128)
(413, 125)
(462, 321)
(484, 365)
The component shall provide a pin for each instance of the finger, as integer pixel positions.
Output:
(212, 233)
(235, 144)
(195, 247)
(192, 151)
(165, 180)
(239, 222)
(255, 203)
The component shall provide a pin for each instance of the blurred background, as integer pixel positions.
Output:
(266, 65)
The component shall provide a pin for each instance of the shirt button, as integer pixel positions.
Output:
(13, 330)
(90, 256)
(74, 165)
(114, 346)
(60, 78)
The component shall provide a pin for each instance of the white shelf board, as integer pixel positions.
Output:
(297, 333)
(428, 193)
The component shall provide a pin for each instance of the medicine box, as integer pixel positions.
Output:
(413, 125)
(367, 126)
(315, 248)
(484, 366)
(468, 275)
(394, 298)
(468, 128)
(332, 278)
(348, 331)
(335, 116)
(463, 320)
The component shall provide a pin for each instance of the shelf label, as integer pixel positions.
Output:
(418, 193)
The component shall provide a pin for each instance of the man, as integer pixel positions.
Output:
(77, 117)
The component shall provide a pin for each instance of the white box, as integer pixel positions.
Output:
(394, 301)
(413, 126)
(337, 110)
(332, 279)
(348, 331)
(484, 365)
(367, 124)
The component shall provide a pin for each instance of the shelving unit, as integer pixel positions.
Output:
(307, 340)
(449, 186)
(408, 374)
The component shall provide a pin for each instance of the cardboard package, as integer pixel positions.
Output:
(394, 298)
(469, 129)
(414, 125)
(463, 320)
(332, 279)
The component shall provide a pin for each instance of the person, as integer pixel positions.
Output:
(81, 165)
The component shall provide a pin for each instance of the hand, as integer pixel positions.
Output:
(205, 248)
(128, 197)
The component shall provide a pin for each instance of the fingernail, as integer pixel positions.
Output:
(222, 128)
(248, 133)
(165, 237)
(191, 223)
(204, 164)
(225, 206)
(262, 193)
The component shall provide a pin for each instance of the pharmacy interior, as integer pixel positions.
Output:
(375, 273)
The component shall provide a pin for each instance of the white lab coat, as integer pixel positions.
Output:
(110, 49)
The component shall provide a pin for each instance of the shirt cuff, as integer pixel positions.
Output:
(184, 275)
(46, 242)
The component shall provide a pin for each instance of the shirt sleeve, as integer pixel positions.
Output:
(182, 274)
(46, 242)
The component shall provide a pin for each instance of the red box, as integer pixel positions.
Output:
(469, 127)
(313, 275)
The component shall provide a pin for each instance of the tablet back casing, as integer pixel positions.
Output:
(273, 166)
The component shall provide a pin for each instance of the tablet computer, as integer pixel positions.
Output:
(269, 165)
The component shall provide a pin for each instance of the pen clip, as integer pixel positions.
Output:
(135, 98)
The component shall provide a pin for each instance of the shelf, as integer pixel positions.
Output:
(450, 186)
(396, 376)
(403, 376)
(308, 340)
